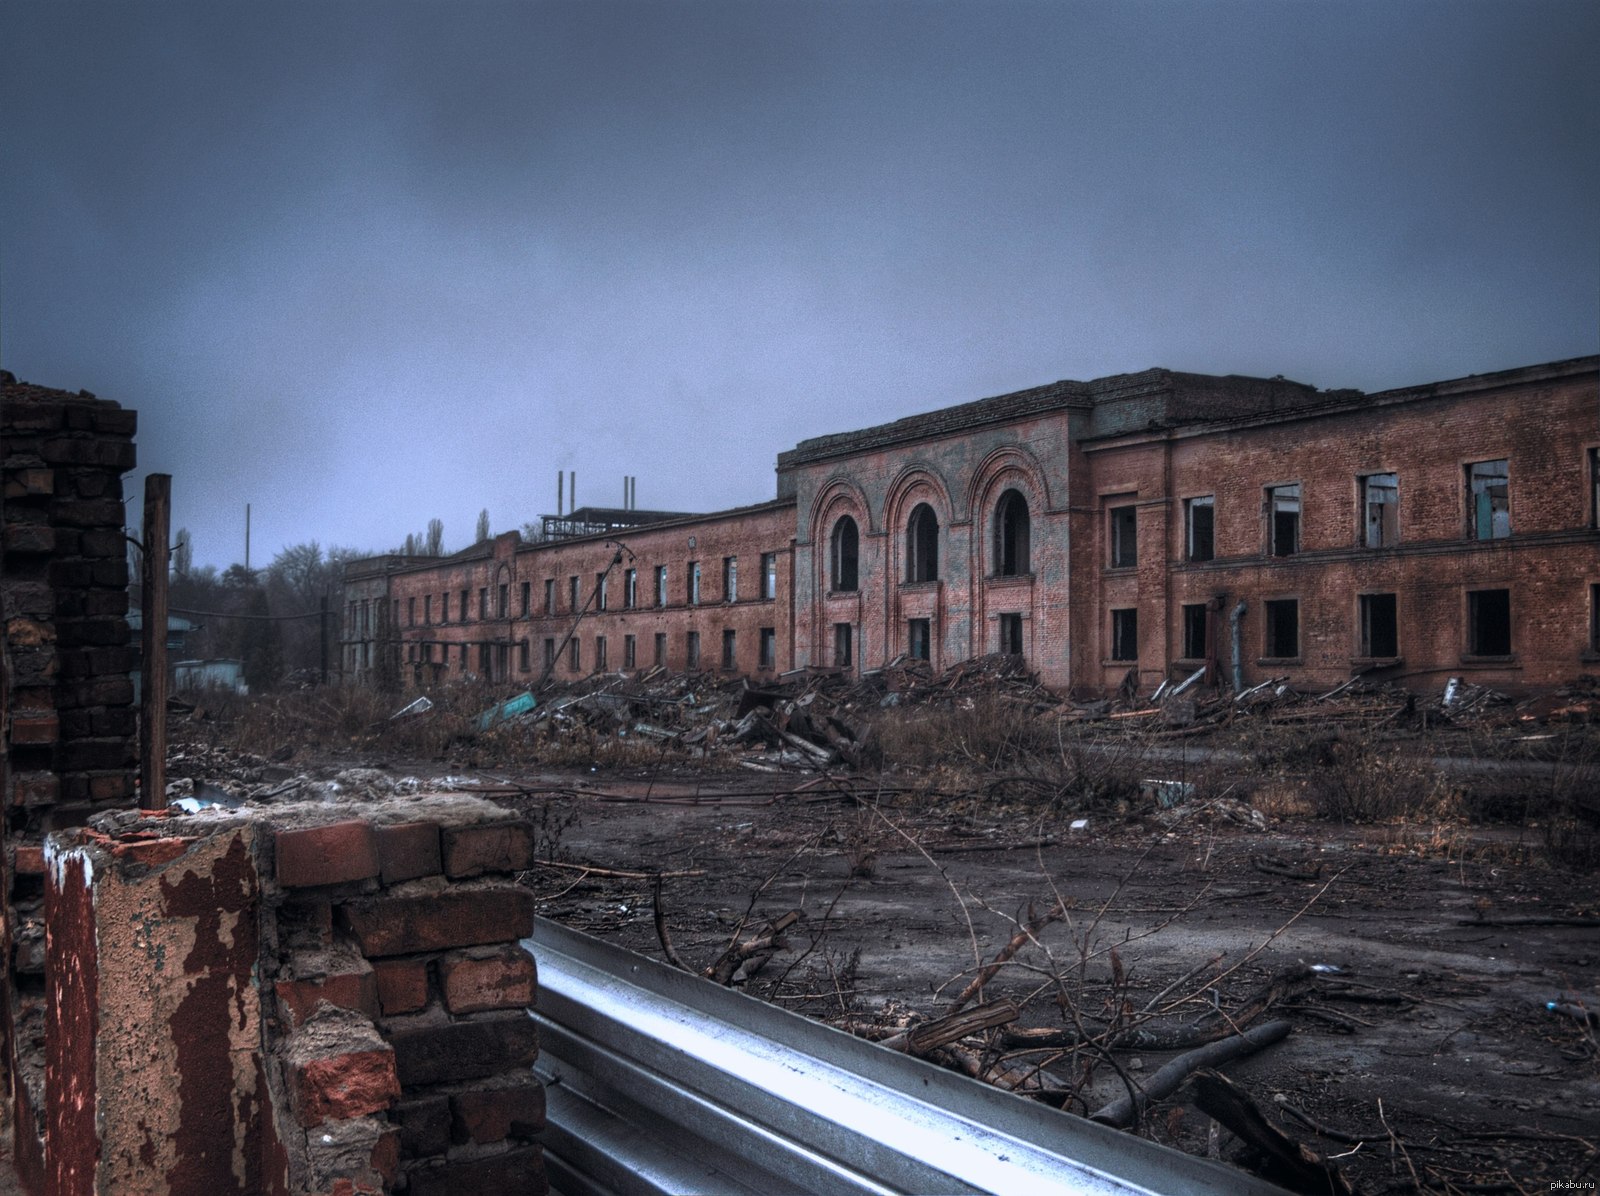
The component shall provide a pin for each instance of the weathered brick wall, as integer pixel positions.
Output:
(308, 998)
(66, 710)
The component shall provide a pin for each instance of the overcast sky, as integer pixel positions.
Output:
(362, 264)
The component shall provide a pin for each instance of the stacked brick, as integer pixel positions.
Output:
(64, 593)
(402, 998)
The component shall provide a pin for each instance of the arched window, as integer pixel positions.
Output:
(845, 555)
(1012, 529)
(922, 544)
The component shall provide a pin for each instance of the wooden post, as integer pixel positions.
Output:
(153, 639)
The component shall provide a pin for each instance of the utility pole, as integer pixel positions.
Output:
(153, 641)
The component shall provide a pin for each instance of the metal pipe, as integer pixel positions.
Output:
(1238, 655)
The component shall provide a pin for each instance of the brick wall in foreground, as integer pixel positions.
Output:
(310, 998)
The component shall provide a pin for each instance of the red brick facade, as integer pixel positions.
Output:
(1131, 525)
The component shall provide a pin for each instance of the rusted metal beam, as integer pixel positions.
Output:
(153, 641)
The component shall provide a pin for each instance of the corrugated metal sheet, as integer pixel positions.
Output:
(660, 1082)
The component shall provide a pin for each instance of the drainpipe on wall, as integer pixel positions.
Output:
(1238, 660)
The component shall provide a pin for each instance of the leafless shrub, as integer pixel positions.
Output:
(1366, 781)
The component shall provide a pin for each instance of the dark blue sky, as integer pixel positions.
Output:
(364, 264)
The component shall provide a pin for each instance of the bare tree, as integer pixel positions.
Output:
(483, 526)
(434, 545)
(183, 554)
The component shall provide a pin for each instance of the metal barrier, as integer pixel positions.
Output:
(661, 1082)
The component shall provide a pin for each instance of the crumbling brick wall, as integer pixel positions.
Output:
(66, 710)
(307, 998)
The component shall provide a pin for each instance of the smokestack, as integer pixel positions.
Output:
(561, 489)
(572, 492)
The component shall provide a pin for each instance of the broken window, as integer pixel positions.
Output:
(549, 595)
(483, 604)
(464, 607)
(1283, 520)
(549, 654)
(922, 544)
(729, 650)
(527, 599)
(524, 656)
(504, 600)
(769, 647)
(1011, 634)
(844, 556)
(599, 652)
(841, 645)
(1124, 537)
(573, 654)
(1380, 628)
(411, 612)
(691, 650)
(599, 591)
(661, 587)
(628, 651)
(1125, 634)
(572, 594)
(1380, 505)
(730, 579)
(427, 610)
(1196, 623)
(1489, 500)
(661, 648)
(1199, 528)
(1489, 623)
(1012, 531)
(769, 576)
(630, 588)
(694, 583)
(1283, 628)
(483, 661)
(920, 639)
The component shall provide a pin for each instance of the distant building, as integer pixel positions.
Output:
(1128, 529)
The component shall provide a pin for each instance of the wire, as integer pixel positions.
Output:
(220, 614)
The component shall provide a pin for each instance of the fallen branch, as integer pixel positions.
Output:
(752, 953)
(1290, 1163)
(1121, 1112)
(617, 873)
(1277, 867)
(667, 948)
(1025, 935)
(931, 1035)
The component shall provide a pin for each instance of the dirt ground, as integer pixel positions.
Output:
(1427, 1061)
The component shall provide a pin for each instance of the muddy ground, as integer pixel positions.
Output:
(1428, 1061)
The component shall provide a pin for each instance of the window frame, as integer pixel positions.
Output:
(1122, 534)
(1284, 492)
(1475, 648)
(1365, 609)
(1273, 610)
(922, 545)
(1386, 531)
(844, 556)
(1200, 502)
(1123, 645)
(1496, 529)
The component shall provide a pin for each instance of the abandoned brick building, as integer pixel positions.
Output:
(1129, 528)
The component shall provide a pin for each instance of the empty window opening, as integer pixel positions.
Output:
(694, 583)
(411, 612)
(504, 597)
(769, 576)
(427, 610)
(483, 605)
(1124, 635)
(1489, 500)
(444, 607)
(1380, 628)
(1594, 487)
(1489, 623)
(599, 652)
(463, 665)
(464, 606)
(572, 594)
(919, 639)
(527, 599)
(574, 654)
(1594, 618)
(841, 645)
(1283, 520)
(730, 579)
(661, 587)
(730, 651)
(1012, 532)
(922, 544)
(661, 648)
(1124, 537)
(484, 661)
(691, 650)
(629, 651)
(844, 557)
(599, 591)
(1196, 624)
(524, 656)
(1199, 528)
(1283, 628)
(1011, 634)
(630, 588)
(769, 647)
(1380, 505)
(549, 595)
